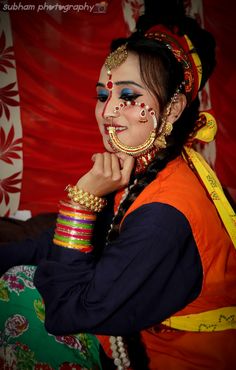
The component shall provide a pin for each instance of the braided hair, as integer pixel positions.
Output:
(162, 74)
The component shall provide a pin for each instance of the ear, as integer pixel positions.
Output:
(176, 108)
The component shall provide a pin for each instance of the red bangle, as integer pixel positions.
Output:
(68, 206)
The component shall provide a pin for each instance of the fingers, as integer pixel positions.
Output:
(128, 165)
(108, 173)
(122, 157)
(117, 167)
(98, 163)
(93, 158)
(107, 165)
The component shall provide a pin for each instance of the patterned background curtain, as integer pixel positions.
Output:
(58, 54)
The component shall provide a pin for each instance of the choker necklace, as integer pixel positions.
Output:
(144, 160)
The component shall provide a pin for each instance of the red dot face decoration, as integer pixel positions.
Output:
(110, 84)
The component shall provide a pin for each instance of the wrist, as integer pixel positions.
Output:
(84, 199)
(74, 227)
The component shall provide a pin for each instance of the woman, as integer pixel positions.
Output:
(158, 278)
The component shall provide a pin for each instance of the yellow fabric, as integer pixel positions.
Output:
(208, 131)
(215, 320)
(215, 191)
(209, 178)
(196, 60)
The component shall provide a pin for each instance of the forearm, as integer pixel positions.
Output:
(117, 293)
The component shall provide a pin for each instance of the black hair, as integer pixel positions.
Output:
(162, 74)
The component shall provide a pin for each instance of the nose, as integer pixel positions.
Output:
(111, 107)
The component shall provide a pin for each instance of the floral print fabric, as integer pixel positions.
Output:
(24, 342)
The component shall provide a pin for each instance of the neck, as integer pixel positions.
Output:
(144, 160)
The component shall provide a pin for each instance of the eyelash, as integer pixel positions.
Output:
(102, 97)
(129, 96)
(125, 96)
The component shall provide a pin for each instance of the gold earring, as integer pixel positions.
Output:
(166, 129)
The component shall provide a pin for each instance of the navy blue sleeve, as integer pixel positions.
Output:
(32, 249)
(150, 272)
(26, 252)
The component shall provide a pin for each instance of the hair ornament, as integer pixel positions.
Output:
(116, 58)
(185, 53)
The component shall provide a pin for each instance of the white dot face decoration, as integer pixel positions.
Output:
(148, 144)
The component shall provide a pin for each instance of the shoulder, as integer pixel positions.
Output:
(155, 219)
(176, 186)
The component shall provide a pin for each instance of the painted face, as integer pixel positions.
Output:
(125, 105)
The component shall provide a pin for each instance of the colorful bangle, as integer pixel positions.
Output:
(77, 236)
(74, 230)
(71, 239)
(66, 206)
(79, 224)
(81, 248)
(74, 227)
(77, 215)
(85, 199)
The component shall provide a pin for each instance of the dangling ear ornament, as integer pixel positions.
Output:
(160, 142)
(165, 128)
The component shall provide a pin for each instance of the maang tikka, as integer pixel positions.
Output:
(116, 58)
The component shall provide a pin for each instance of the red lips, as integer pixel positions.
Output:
(118, 128)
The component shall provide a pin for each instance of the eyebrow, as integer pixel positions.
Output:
(118, 83)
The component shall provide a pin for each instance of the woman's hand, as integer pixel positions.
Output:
(110, 172)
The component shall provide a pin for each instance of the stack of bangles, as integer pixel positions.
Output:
(75, 223)
(74, 227)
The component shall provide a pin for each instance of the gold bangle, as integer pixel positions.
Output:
(85, 199)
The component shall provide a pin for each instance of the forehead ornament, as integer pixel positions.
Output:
(116, 58)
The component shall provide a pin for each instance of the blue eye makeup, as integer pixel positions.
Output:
(102, 95)
(128, 94)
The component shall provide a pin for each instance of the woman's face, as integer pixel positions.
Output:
(133, 126)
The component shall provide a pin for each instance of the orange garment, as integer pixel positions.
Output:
(182, 350)
(178, 186)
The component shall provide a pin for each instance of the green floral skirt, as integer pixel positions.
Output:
(24, 342)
